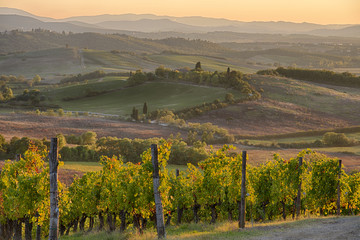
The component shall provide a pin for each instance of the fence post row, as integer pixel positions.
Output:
(54, 209)
(298, 199)
(243, 191)
(160, 226)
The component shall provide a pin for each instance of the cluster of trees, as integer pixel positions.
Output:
(205, 132)
(195, 111)
(168, 116)
(210, 192)
(90, 148)
(88, 76)
(33, 96)
(229, 79)
(6, 93)
(319, 76)
(333, 139)
(4, 79)
(18, 145)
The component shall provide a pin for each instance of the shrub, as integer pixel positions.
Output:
(336, 139)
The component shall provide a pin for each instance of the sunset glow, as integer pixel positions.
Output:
(320, 11)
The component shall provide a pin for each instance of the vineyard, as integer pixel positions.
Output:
(121, 195)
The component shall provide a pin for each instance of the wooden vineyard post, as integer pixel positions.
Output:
(243, 191)
(338, 191)
(298, 199)
(178, 210)
(160, 226)
(54, 209)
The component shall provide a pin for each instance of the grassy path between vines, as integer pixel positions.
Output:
(313, 228)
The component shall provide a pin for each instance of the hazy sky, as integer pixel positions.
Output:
(315, 11)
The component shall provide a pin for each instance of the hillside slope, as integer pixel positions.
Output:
(17, 41)
(289, 105)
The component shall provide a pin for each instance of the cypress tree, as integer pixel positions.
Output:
(198, 66)
(145, 108)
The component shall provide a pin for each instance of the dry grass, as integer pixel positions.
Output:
(33, 126)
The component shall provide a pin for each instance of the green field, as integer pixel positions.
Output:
(57, 95)
(174, 61)
(158, 95)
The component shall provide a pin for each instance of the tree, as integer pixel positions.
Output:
(229, 97)
(36, 79)
(135, 114)
(2, 143)
(61, 139)
(145, 108)
(7, 93)
(198, 66)
(89, 138)
(336, 139)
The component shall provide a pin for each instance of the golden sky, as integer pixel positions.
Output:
(315, 11)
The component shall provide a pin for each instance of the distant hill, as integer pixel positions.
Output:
(152, 23)
(14, 11)
(14, 22)
(17, 41)
(353, 31)
(148, 25)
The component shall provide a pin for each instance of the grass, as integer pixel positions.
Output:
(222, 230)
(172, 96)
(107, 60)
(95, 166)
(78, 90)
(54, 64)
(50, 64)
(207, 63)
(83, 166)
(339, 101)
(351, 150)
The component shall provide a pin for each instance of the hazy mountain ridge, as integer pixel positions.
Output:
(152, 23)
(19, 41)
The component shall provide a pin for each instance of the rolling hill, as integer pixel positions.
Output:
(120, 101)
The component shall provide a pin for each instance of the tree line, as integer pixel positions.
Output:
(90, 149)
(344, 79)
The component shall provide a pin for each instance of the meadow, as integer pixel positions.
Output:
(158, 95)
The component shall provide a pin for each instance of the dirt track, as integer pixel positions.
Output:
(327, 228)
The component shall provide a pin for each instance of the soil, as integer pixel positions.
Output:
(34, 126)
(326, 228)
(264, 117)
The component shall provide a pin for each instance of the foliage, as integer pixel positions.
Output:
(319, 76)
(126, 189)
(336, 139)
(82, 77)
(24, 188)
